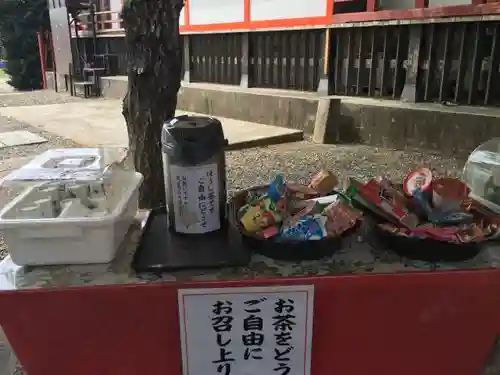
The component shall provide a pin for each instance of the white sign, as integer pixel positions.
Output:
(246, 331)
(196, 198)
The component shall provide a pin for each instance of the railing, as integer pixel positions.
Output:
(453, 62)
(437, 60)
(105, 21)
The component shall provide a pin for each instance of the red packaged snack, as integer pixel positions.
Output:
(324, 182)
(419, 178)
(374, 194)
(270, 232)
(309, 209)
(340, 218)
(298, 191)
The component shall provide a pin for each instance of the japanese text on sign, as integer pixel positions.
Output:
(234, 331)
(196, 204)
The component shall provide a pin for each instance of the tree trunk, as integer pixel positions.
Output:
(154, 77)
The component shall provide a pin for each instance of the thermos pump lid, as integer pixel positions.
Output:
(192, 139)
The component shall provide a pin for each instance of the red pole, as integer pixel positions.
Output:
(419, 3)
(42, 58)
(370, 6)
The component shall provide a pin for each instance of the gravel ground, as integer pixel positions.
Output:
(17, 99)
(302, 159)
(7, 124)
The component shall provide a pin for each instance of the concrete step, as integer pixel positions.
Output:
(103, 125)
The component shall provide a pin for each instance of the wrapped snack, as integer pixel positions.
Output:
(308, 210)
(301, 192)
(320, 202)
(471, 233)
(276, 189)
(388, 227)
(259, 215)
(324, 182)
(448, 234)
(270, 232)
(283, 207)
(389, 192)
(308, 228)
(340, 218)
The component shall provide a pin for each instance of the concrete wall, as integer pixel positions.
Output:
(51, 80)
(449, 130)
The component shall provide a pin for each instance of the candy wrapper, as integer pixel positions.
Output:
(308, 228)
(276, 189)
(300, 192)
(309, 209)
(340, 218)
(259, 214)
(324, 182)
(269, 232)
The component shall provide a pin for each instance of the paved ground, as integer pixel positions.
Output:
(103, 124)
(248, 167)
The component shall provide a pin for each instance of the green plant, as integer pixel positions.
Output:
(20, 20)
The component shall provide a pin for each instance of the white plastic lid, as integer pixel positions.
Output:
(482, 174)
(68, 164)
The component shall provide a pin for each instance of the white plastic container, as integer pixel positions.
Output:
(482, 175)
(90, 217)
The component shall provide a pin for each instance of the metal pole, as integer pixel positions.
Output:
(94, 28)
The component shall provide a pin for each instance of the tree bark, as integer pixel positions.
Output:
(154, 77)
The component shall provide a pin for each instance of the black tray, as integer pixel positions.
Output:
(295, 251)
(161, 250)
(426, 249)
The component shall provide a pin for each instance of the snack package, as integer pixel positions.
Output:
(324, 182)
(308, 228)
(300, 192)
(269, 232)
(308, 210)
(471, 233)
(372, 193)
(321, 201)
(259, 214)
(388, 227)
(340, 218)
(448, 234)
(276, 189)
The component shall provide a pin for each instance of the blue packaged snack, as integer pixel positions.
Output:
(276, 188)
(309, 228)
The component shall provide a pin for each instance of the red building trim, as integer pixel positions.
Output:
(421, 13)
(247, 12)
(186, 14)
(477, 8)
(371, 5)
(248, 24)
(419, 3)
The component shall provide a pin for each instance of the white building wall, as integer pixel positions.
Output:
(115, 6)
(434, 3)
(283, 9)
(204, 12)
